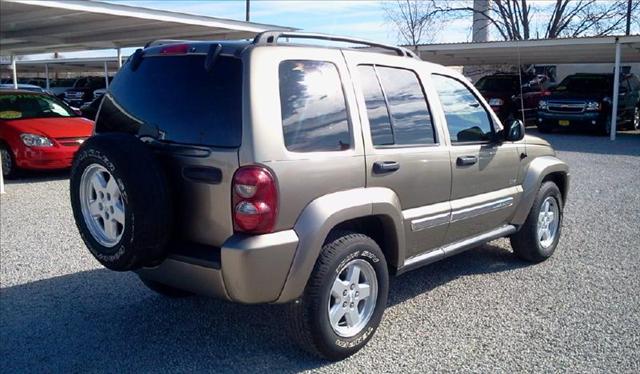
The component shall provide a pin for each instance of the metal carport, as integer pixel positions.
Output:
(609, 49)
(44, 26)
(47, 26)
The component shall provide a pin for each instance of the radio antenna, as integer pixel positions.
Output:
(524, 154)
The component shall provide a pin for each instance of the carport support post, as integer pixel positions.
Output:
(106, 75)
(616, 88)
(119, 54)
(14, 74)
(46, 75)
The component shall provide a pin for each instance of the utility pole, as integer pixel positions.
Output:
(247, 6)
(628, 17)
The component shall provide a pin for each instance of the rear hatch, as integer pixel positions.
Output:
(191, 114)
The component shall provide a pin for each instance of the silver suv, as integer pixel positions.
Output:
(267, 171)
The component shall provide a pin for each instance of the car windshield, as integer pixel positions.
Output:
(24, 106)
(581, 84)
(497, 84)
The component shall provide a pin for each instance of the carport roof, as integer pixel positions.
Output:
(34, 26)
(539, 51)
(83, 64)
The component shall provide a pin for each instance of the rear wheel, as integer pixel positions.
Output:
(9, 167)
(537, 239)
(344, 299)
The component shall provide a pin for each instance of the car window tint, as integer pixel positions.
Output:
(313, 107)
(467, 119)
(177, 96)
(379, 121)
(407, 105)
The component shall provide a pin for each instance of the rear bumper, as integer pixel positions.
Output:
(248, 269)
(44, 158)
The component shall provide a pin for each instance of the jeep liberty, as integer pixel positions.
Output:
(267, 171)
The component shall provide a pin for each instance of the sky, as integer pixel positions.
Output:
(363, 19)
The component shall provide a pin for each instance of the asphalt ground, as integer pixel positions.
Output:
(480, 311)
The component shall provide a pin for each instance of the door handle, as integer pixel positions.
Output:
(381, 167)
(466, 160)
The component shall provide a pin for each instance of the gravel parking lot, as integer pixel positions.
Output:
(481, 311)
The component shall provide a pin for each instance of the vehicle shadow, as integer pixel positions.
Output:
(30, 176)
(100, 320)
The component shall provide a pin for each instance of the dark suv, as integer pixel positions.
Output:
(82, 91)
(266, 172)
(509, 98)
(583, 101)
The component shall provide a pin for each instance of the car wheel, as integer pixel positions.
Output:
(605, 127)
(120, 202)
(537, 239)
(164, 289)
(344, 300)
(9, 168)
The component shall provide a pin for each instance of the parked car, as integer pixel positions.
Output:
(59, 86)
(82, 91)
(22, 86)
(508, 97)
(260, 172)
(38, 131)
(583, 101)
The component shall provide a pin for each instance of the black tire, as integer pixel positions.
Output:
(525, 242)
(165, 290)
(9, 167)
(605, 127)
(145, 195)
(309, 316)
(544, 128)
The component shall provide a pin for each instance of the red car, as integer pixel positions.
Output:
(38, 131)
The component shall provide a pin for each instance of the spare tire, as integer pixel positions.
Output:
(120, 200)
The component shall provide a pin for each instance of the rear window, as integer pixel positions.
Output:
(179, 98)
(312, 103)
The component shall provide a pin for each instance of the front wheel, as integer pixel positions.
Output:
(344, 300)
(9, 168)
(538, 238)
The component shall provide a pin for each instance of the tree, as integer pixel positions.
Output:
(415, 20)
(523, 19)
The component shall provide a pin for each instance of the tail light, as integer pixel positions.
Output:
(255, 200)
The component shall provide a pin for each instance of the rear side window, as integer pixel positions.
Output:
(377, 111)
(396, 107)
(313, 107)
(176, 96)
(467, 119)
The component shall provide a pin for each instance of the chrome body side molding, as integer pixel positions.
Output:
(455, 248)
(481, 209)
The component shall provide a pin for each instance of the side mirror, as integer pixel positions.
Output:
(515, 131)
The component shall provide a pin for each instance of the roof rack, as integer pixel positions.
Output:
(271, 37)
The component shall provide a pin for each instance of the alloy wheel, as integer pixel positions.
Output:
(102, 205)
(548, 221)
(353, 298)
